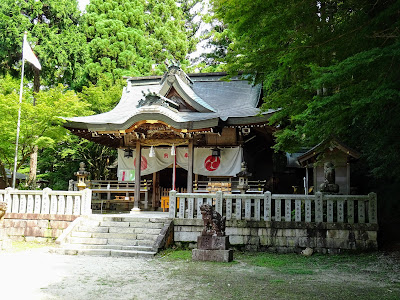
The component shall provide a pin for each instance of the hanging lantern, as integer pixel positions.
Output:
(216, 152)
(128, 153)
(152, 152)
(173, 152)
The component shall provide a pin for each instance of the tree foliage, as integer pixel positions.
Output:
(55, 35)
(130, 37)
(40, 124)
(330, 67)
(58, 164)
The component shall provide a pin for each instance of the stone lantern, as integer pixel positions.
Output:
(243, 175)
(82, 174)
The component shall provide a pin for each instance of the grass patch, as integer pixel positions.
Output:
(172, 254)
(18, 246)
(277, 281)
(298, 271)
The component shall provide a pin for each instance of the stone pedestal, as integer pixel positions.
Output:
(206, 242)
(213, 244)
(212, 255)
(212, 248)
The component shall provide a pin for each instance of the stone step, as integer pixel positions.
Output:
(101, 218)
(108, 247)
(131, 253)
(123, 242)
(84, 228)
(104, 252)
(117, 230)
(113, 241)
(90, 241)
(114, 236)
(136, 224)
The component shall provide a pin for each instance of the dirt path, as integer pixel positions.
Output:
(37, 274)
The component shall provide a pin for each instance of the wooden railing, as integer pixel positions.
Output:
(275, 207)
(115, 184)
(227, 185)
(47, 201)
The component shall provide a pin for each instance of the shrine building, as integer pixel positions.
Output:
(178, 130)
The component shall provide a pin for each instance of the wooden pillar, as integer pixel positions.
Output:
(196, 181)
(190, 167)
(316, 189)
(154, 197)
(306, 185)
(138, 158)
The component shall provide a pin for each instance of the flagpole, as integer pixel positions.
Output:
(19, 121)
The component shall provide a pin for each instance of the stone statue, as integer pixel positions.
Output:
(214, 224)
(212, 244)
(329, 185)
(3, 209)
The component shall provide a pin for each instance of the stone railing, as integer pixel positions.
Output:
(281, 208)
(47, 201)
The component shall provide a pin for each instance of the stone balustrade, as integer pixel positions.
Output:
(318, 208)
(47, 201)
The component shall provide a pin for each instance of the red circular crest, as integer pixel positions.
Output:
(143, 163)
(212, 163)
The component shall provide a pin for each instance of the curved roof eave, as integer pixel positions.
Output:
(250, 120)
(189, 125)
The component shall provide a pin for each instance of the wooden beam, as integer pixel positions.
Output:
(190, 167)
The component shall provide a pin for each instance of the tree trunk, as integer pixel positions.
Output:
(33, 167)
(3, 174)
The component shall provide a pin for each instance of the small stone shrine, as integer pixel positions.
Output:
(330, 161)
(213, 244)
(5, 242)
(329, 185)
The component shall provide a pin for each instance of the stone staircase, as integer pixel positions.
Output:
(115, 235)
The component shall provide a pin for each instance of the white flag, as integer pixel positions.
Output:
(28, 54)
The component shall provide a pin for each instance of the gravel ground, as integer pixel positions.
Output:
(37, 274)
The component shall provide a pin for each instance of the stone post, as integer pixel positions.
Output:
(86, 202)
(172, 204)
(5, 242)
(3, 209)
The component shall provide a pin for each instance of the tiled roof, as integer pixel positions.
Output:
(235, 100)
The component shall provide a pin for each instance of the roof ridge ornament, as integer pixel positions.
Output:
(153, 98)
(174, 68)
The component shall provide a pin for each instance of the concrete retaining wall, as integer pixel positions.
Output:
(287, 236)
(35, 226)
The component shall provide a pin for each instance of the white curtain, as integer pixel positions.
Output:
(228, 164)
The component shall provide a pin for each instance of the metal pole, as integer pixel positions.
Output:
(18, 123)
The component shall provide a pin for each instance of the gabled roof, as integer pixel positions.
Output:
(19, 176)
(331, 144)
(211, 101)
